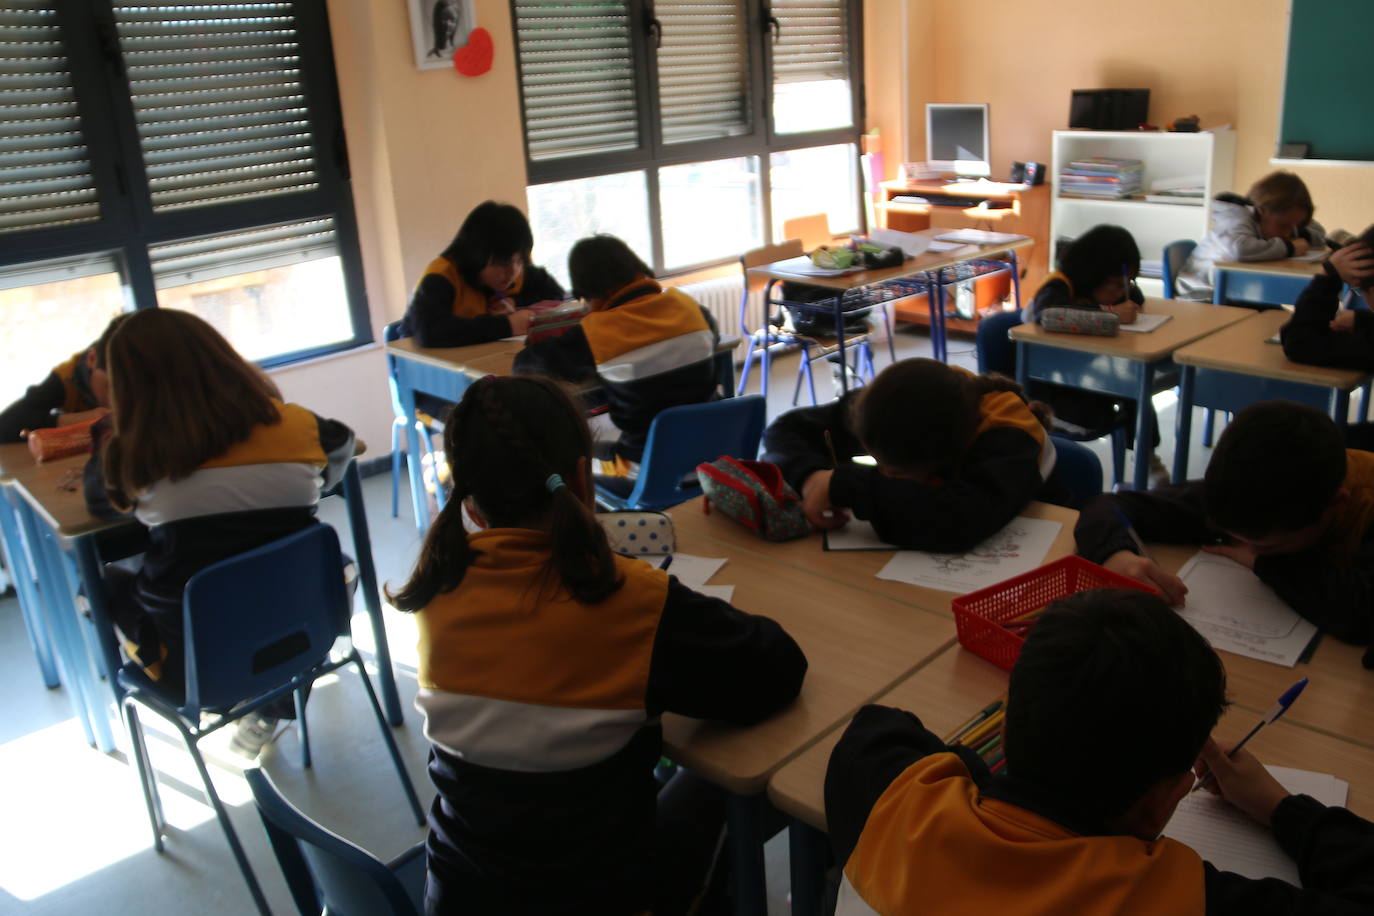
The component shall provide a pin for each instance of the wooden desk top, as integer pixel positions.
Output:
(949, 690)
(14, 457)
(958, 189)
(1191, 321)
(917, 265)
(1284, 268)
(858, 646)
(856, 569)
(453, 357)
(1244, 348)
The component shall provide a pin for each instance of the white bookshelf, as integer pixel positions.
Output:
(1164, 155)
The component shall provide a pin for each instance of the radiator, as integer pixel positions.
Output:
(721, 297)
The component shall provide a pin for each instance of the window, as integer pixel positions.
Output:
(723, 116)
(194, 148)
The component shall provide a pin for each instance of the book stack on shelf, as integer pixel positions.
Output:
(1101, 177)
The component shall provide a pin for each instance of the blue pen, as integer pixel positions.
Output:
(1278, 709)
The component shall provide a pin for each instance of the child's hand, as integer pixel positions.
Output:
(1300, 245)
(1344, 322)
(1244, 554)
(1127, 311)
(1242, 780)
(1353, 263)
(500, 306)
(1143, 569)
(816, 504)
(520, 322)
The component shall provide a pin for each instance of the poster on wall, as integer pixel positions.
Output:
(438, 28)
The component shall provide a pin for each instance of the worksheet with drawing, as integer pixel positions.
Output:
(1018, 548)
(1235, 611)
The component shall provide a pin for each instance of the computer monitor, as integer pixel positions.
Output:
(957, 139)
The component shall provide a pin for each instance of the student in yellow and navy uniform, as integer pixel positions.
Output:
(475, 291)
(203, 453)
(650, 348)
(958, 456)
(76, 390)
(1108, 714)
(545, 663)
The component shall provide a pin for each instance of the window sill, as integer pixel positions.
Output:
(322, 359)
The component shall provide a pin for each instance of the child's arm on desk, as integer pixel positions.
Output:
(1309, 337)
(566, 356)
(1170, 515)
(795, 441)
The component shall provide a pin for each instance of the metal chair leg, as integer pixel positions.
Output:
(229, 833)
(396, 465)
(302, 728)
(390, 741)
(147, 779)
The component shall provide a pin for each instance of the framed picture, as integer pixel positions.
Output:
(438, 28)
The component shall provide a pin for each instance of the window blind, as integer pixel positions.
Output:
(577, 77)
(813, 43)
(703, 70)
(45, 173)
(212, 257)
(218, 101)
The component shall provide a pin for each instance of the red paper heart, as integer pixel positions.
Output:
(474, 58)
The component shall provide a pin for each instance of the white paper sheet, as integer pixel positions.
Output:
(1235, 611)
(1017, 548)
(1312, 254)
(693, 571)
(979, 237)
(1231, 841)
(802, 267)
(1145, 322)
(723, 592)
(910, 243)
(939, 247)
(857, 534)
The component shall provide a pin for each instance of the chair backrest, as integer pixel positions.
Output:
(1176, 254)
(1078, 468)
(350, 879)
(757, 257)
(995, 351)
(683, 437)
(813, 230)
(257, 619)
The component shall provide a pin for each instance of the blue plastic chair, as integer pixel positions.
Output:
(326, 873)
(996, 353)
(389, 333)
(1078, 468)
(258, 626)
(680, 439)
(1176, 254)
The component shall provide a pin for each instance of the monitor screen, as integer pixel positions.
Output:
(957, 138)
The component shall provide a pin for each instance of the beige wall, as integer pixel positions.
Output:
(1222, 60)
(425, 147)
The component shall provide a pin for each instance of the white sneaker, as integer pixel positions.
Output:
(253, 733)
(1159, 474)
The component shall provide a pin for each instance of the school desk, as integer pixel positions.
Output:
(929, 266)
(69, 564)
(446, 372)
(1126, 365)
(857, 645)
(1339, 699)
(1237, 366)
(856, 569)
(1268, 282)
(18, 559)
(951, 688)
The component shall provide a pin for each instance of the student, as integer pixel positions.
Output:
(958, 456)
(545, 663)
(650, 348)
(74, 391)
(204, 454)
(1272, 222)
(1097, 271)
(1108, 717)
(475, 290)
(1320, 333)
(1288, 500)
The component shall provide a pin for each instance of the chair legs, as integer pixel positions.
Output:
(390, 741)
(1208, 421)
(147, 779)
(302, 729)
(1118, 455)
(396, 465)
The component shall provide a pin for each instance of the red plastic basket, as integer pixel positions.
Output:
(979, 616)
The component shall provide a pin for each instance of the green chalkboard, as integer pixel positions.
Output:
(1328, 95)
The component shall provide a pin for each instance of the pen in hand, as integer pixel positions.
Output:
(1275, 712)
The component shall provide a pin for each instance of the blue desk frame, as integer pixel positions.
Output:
(1249, 285)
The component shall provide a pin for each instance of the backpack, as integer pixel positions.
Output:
(754, 494)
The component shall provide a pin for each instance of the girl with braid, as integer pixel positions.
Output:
(545, 663)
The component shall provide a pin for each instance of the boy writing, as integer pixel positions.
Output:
(1287, 499)
(1108, 715)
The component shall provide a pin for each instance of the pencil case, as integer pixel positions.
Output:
(61, 441)
(1095, 323)
(638, 534)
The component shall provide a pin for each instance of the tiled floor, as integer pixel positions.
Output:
(73, 833)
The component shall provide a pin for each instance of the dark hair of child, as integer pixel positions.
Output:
(102, 343)
(492, 234)
(1113, 692)
(179, 396)
(601, 264)
(1275, 469)
(504, 440)
(1279, 192)
(919, 415)
(1103, 251)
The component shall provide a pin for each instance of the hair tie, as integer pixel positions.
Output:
(553, 482)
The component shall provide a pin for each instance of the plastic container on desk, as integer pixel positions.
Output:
(980, 616)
